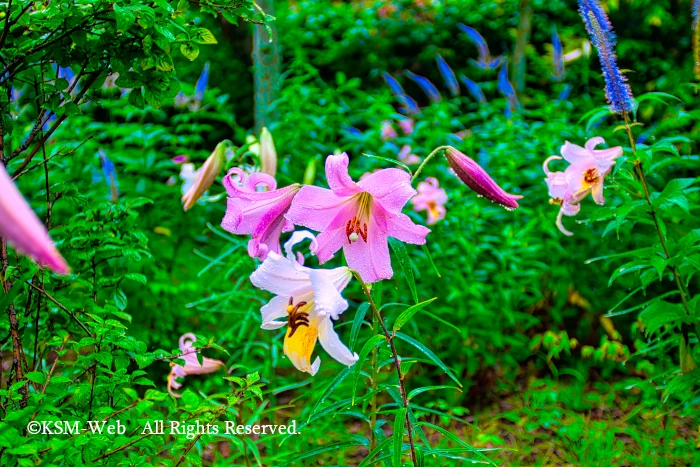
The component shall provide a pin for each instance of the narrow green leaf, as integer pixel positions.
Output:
(405, 262)
(399, 425)
(428, 353)
(406, 316)
(357, 323)
(380, 447)
(417, 391)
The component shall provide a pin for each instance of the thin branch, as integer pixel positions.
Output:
(53, 128)
(397, 362)
(58, 304)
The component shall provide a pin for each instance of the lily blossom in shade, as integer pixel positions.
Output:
(21, 227)
(388, 131)
(585, 175)
(191, 366)
(407, 157)
(206, 175)
(358, 217)
(310, 299)
(406, 126)
(430, 198)
(257, 213)
(478, 180)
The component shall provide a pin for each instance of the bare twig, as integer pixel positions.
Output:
(58, 304)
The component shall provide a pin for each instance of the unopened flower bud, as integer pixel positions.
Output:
(206, 175)
(268, 154)
(478, 180)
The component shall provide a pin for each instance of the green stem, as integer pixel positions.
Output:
(373, 403)
(425, 161)
(652, 212)
(397, 361)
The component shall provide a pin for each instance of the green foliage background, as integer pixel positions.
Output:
(519, 317)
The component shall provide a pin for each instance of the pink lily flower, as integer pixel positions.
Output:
(358, 217)
(192, 366)
(20, 226)
(478, 180)
(388, 131)
(585, 175)
(257, 213)
(430, 198)
(407, 157)
(310, 299)
(406, 126)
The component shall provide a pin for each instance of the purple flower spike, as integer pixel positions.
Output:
(558, 56)
(485, 61)
(394, 85)
(478, 180)
(473, 89)
(448, 75)
(428, 88)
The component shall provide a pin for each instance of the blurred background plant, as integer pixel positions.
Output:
(557, 364)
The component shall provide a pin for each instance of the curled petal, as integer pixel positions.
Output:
(338, 177)
(545, 164)
(272, 311)
(296, 238)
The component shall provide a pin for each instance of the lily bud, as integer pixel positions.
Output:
(478, 180)
(206, 174)
(310, 172)
(268, 154)
(23, 229)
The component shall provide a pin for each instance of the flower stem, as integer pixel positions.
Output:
(427, 158)
(397, 361)
(652, 213)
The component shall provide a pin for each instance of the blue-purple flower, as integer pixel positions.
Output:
(428, 88)
(557, 56)
(448, 75)
(600, 29)
(486, 61)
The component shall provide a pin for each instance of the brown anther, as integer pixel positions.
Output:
(591, 175)
(296, 318)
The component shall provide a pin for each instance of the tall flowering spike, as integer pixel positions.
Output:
(485, 60)
(585, 175)
(430, 198)
(23, 229)
(200, 88)
(473, 89)
(110, 174)
(505, 86)
(410, 107)
(358, 217)
(309, 299)
(206, 175)
(448, 75)
(191, 366)
(557, 56)
(268, 153)
(257, 213)
(394, 85)
(600, 30)
(478, 180)
(428, 88)
(696, 38)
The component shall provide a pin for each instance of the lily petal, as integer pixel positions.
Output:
(391, 187)
(339, 179)
(327, 298)
(333, 346)
(299, 347)
(370, 259)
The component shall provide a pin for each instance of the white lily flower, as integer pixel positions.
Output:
(310, 299)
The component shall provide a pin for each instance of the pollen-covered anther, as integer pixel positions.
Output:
(591, 175)
(354, 231)
(557, 201)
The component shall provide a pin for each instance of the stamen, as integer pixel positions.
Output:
(591, 175)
